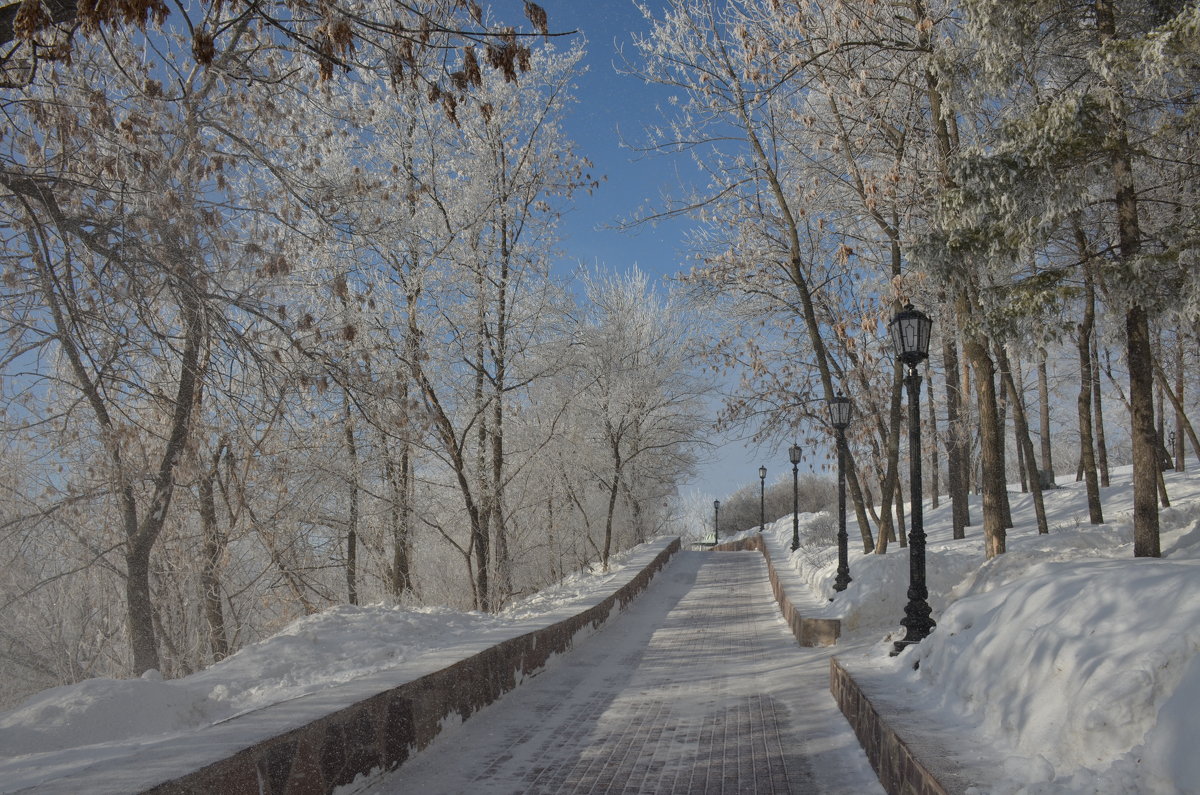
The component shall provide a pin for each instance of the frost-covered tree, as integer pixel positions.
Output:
(825, 137)
(639, 402)
(1093, 108)
(133, 268)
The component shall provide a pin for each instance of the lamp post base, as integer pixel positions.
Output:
(914, 634)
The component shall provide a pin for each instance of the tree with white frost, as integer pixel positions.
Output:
(1097, 101)
(636, 394)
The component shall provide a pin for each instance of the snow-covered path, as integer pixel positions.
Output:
(697, 688)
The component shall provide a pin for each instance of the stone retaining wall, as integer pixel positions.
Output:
(808, 631)
(899, 770)
(384, 730)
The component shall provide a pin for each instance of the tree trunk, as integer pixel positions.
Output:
(1176, 399)
(860, 508)
(1044, 412)
(956, 444)
(1083, 404)
(503, 580)
(891, 477)
(1025, 467)
(140, 608)
(1145, 447)
(969, 421)
(499, 352)
(1164, 498)
(352, 518)
(214, 550)
(1001, 423)
(934, 441)
(481, 541)
(1022, 469)
(1180, 417)
(1138, 352)
(613, 489)
(990, 441)
(1025, 443)
(399, 475)
(1098, 417)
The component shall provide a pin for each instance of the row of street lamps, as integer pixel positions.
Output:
(910, 330)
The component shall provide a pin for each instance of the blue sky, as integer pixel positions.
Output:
(613, 107)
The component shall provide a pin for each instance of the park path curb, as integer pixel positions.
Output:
(896, 762)
(808, 631)
(899, 769)
(383, 731)
(299, 754)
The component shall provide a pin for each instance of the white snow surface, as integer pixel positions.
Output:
(63, 730)
(1066, 663)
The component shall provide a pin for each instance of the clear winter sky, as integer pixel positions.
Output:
(613, 106)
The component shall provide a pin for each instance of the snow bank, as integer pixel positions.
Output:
(1059, 666)
(1074, 661)
(310, 654)
(63, 728)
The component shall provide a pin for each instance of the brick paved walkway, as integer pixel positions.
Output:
(697, 688)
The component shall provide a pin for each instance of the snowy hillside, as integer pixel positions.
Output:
(65, 729)
(1069, 664)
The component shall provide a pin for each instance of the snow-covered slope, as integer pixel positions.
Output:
(1071, 664)
(65, 729)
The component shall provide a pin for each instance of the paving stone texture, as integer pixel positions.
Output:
(699, 687)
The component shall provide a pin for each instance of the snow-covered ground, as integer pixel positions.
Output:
(1068, 663)
(66, 729)
(1071, 664)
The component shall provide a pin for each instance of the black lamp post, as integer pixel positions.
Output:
(910, 335)
(840, 411)
(794, 455)
(762, 496)
(716, 519)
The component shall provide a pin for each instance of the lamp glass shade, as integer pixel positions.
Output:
(910, 335)
(716, 504)
(794, 454)
(840, 412)
(762, 473)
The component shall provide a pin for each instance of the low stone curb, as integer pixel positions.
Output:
(899, 770)
(808, 631)
(378, 731)
(386, 729)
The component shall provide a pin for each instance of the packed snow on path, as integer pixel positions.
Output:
(1067, 663)
(65, 729)
(640, 705)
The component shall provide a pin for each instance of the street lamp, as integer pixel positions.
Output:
(910, 336)
(840, 411)
(794, 455)
(762, 495)
(716, 519)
